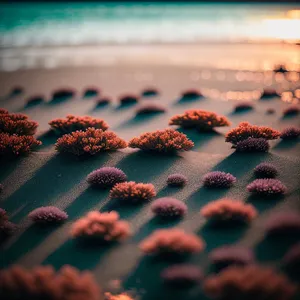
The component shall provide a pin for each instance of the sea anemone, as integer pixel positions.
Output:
(292, 257)
(191, 93)
(270, 111)
(128, 99)
(3, 111)
(283, 223)
(291, 110)
(150, 108)
(290, 133)
(47, 215)
(228, 210)
(106, 177)
(34, 100)
(132, 192)
(102, 227)
(17, 124)
(168, 207)
(172, 241)
(63, 93)
(231, 255)
(150, 92)
(90, 92)
(265, 170)
(92, 141)
(164, 141)
(252, 145)
(15, 145)
(267, 187)
(103, 101)
(245, 130)
(73, 123)
(182, 275)
(249, 282)
(268, 93)
(218, 179)
(243, 106)
(43, 282)
(200, 119)
(176, 180)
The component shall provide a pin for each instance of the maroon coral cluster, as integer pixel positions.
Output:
(72, 123)
(267, 187)
(103, 227)
(176, 180)
(43, 282)
(90, 142)
(290, 133)
(47, 215)
(162, 141)
(218, 179)
(252, 145)
(168, 207)
(249, 282)
(200, 119)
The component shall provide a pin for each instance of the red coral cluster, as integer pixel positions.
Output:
(91, 142)
(133, 192)
(105, 227)
(172, 240)
(17, 124)
(200, 119)
(72, 123)
(164, 141)
(3, 111)
(42, 282)
(245, 130)
(249, 282)
(228, 210)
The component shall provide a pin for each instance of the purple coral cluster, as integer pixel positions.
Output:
(243, 106)
(265, 170)
(252, 145)
(290, 133)
(168, 207)
(176, 180)
(182, 275)
(106, 177)
(267, 187)
(283, 223)
(47, 215)
(218, 179)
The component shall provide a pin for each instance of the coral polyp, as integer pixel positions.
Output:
(267, 187)
(249, 282)
(290, 133)
(106, 177)
(265, 170)
(200, 119)
(132, 192)
(218, 179)
(252, 145)
(90, 142)
(72, 123)
(16, 145)
(245, 130)
(228, 210)
(172, 241)
(102, 227)
(162, 141)
(176, 180)
(150, 108)
(168, 207)
(43, 282)
(47, 215)
(286, 222)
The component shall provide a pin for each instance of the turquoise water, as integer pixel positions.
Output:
(93, 23)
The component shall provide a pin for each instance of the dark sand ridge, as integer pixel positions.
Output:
(45, 178)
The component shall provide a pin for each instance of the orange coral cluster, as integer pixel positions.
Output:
(249, 282)
(172, 240)
(200, 119)
(167, 140)
(17, 144)
(91, 142)
(73, 123)
(16, 124)
(245, 130)
(101, 226)
(43, 282)
(227, 209)
(133, 192)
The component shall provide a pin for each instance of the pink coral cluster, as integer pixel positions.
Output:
(104, 227)
(218, 179)
(200, 119)
(168, 207)
(265, 170)
(163, 141)
(47, 215)
(249, 282)
(90, 142)
(229, 210)
(177, 180)
(72, 123)
(43, 282)
(172, 240)
(267, 187)
(132, 192)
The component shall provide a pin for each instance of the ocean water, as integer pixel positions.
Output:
(65, 24)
